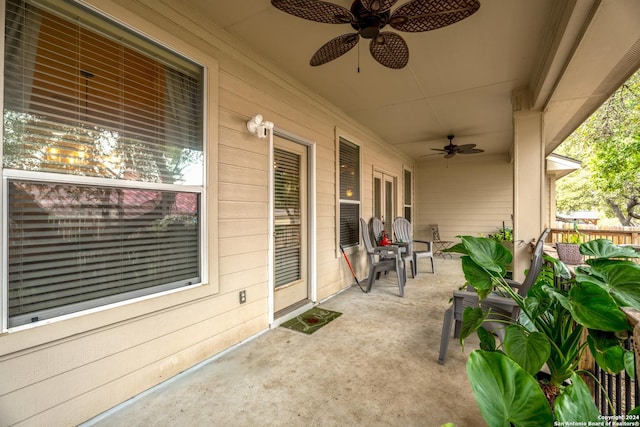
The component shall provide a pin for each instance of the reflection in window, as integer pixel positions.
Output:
(102, 134)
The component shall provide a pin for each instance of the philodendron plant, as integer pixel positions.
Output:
(550, 333)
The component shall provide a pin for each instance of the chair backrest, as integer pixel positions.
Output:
(536, 264)
(435, 232)
(366, 236)
(378, 227)
(402, 229)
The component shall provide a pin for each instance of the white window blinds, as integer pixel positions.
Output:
(349, 193)
(103, 156)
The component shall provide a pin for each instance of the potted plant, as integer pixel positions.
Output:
(550, 333)
(569, 247)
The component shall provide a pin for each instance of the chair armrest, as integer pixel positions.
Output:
(466, 298)
(425, 242)
(387, 250)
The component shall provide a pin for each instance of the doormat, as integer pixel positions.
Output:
(312, 320)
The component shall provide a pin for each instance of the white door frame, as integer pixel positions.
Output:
(311, 225)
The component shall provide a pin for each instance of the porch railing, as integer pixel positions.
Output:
(619, 236)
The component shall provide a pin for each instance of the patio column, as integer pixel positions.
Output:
(528, 179)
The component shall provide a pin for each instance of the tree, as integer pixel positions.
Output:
(608, 144)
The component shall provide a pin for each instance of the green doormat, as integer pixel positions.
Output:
(312, 320)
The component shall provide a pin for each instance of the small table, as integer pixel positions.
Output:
(440, 245)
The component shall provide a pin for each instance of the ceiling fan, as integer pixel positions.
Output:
(369, 17)
(452, 149)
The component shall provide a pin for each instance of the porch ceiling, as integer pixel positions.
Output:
(570, 54)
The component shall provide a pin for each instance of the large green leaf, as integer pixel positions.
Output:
(481, 280)
(457, 248)
(594, 308)
(529, 350)
(487, 339)
(630, 363)
(575, 403)
(604, 248)
(487, 253)
(506, 393)
(472, 318)
(607, 351)
(623, 281)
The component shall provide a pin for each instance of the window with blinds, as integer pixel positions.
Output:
(103, 159)
(407, 194)
(349, 193)
(287, 217)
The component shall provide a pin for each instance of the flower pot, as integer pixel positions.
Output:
(569, 253)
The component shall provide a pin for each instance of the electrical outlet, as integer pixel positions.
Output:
(243, 296)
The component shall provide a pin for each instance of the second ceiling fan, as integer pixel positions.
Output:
(369, 17)
(452, 149)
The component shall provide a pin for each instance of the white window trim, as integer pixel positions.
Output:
(338, 135)
(130, 309)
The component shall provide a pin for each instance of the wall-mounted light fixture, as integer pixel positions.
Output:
(258, 127)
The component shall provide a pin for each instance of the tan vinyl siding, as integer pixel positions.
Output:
(86, 364)
(463, 197)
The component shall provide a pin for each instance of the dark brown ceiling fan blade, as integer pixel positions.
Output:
(465, 147)
(316, 10)
(426, 15)
(390, 50)
(472, 151)
(449, 155)
(334, 48)
(377, 6)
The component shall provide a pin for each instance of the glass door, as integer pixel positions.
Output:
(290, 223)
(384, 198)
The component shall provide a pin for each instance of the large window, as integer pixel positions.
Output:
(349, 193)
(102, 163)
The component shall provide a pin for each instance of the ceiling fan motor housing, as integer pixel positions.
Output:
(368, 24)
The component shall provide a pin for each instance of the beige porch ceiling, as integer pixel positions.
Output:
(569, 54)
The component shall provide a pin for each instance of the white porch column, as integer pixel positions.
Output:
(528, 179)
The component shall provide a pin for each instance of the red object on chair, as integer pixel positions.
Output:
(384, 241)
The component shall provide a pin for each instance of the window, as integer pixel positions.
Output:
(407, 194)
(103, 162)
(349, 193)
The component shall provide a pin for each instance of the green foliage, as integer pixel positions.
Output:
(506, 394)
(555, 314)
(504, 234)
(575, 403)
(608, 144)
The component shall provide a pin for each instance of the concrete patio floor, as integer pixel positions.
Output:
(376, 365)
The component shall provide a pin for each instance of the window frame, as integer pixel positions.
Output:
(339, 201)
(407, 204)
(208, 285)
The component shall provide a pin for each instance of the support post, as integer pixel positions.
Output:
(528, 179)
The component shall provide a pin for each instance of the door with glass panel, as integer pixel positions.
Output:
(290, 223)
(384, 199)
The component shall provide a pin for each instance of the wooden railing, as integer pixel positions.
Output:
(619, 236)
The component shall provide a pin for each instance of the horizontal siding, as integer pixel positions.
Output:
(77, 374)
(463, 197)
